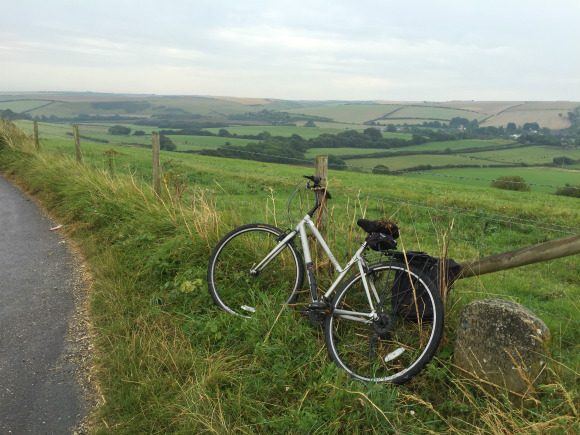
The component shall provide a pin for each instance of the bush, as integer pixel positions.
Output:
(166, 143)
(119, 130)
(381, 169)
(562, 161)
(138, 133)
(511, 182)
(569, 190)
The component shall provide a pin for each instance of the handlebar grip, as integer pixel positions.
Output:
(316, 180)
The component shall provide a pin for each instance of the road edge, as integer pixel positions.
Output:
(81, 333)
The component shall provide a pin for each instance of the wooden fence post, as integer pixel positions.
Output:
(77, 137)
(35, 134)
(321, 171)
(156, 145)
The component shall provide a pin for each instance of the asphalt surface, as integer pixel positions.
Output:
(38, 390)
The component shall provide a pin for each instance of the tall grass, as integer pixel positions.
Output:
(169, 361)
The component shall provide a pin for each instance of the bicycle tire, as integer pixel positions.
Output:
(274, 233)
(400, 377)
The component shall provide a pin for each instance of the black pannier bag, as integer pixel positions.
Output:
(408, 290)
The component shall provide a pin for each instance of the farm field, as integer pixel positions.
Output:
(277, 130)
(529, 155)
(432, 112)
(543, 179)
(349, 112)
(194, 143)
(95, 131)
(403, 162)
(340, 151)
(458, 144)
(21, 105)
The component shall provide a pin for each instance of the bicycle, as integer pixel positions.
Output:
(382, 325)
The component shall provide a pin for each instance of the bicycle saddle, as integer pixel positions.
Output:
(379, 226)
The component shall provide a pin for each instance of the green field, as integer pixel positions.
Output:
(352, 113)
(404, 162)
(278, 130)
(185, 142)
(433, 112)
(167, 360)
(340, 151)
(529, 155)
(458, 144)
(21, 105)
(544, 179)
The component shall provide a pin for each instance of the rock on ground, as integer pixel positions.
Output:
(502, 343)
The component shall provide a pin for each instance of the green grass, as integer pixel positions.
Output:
(530, 155)
(433, 112)
(457, 144)
(348, 112)
(184, 142)
(341, 151)
(167, 360)
(483, 176)
(404, 162)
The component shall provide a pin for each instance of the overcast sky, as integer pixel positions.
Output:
(363, 49)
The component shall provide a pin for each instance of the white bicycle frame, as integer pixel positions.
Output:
(357, 259)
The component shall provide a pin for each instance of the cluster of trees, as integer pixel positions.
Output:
(126, 106)
(275, 117)
(119, 130)
(284, 149)
(564, 161)
(9, 115)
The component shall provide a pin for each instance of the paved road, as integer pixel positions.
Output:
(38, 391)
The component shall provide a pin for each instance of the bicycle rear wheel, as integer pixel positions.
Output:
(403, 336)
(235, 289)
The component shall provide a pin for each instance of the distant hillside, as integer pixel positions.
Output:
(551, 114)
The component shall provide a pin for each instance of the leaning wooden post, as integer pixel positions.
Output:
(321, 171)
(78, 153)
(156, 145)
(35, 134)
(522, 257)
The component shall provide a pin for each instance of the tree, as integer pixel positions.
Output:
(459, 122)
(119, 130)
(531, 126)
(373, 133)
(138, 133)
(310, 123)
(511, 127)
(336, 162)
(224, 133)
(165, 143)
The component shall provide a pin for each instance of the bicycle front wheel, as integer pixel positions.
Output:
(402, 336)
(232, 285)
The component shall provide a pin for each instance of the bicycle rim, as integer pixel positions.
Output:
(398, 344)
(239, 292)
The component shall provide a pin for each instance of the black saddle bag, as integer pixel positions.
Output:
(409, 295)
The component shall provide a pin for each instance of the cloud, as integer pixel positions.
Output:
(296, 49)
